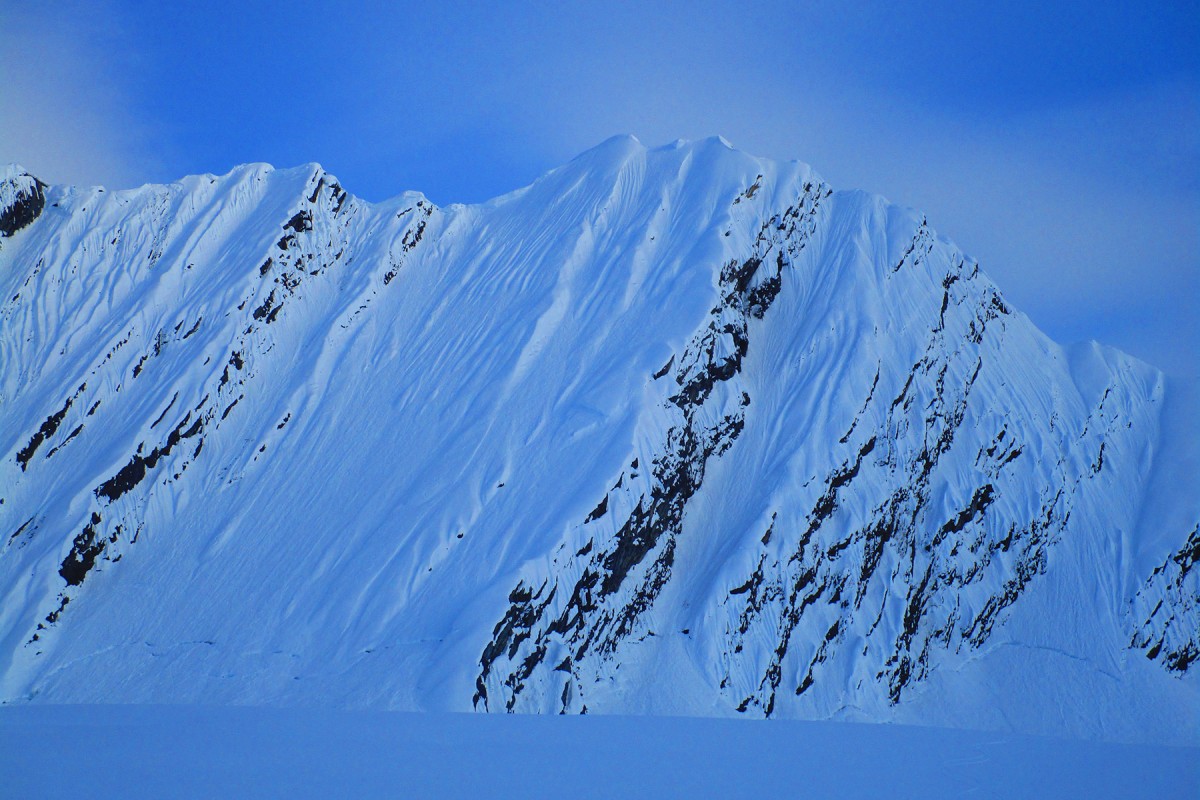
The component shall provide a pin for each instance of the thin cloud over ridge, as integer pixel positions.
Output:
(65, 99)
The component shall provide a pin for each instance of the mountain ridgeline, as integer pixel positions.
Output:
(669, 431)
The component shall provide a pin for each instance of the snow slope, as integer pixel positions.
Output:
(670, 431)
(205, 751)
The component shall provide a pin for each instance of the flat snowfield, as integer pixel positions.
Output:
(208, 751)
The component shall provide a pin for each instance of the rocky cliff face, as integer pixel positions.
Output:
(672, 430)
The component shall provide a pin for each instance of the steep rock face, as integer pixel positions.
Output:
(21, 199)
(1168, 607)
(671, 430)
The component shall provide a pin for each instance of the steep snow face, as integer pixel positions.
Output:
(669, 431)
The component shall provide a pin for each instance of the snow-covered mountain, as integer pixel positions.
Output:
(671, 431)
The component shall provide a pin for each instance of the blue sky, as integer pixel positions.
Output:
(1059, 145)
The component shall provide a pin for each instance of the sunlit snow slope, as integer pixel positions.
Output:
(669, 431)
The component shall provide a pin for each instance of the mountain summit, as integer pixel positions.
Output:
(670, 431)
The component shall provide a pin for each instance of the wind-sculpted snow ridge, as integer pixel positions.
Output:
(674, 430)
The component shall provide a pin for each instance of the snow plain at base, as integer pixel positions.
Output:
(210, 751)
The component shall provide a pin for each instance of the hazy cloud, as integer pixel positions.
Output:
(64, 113)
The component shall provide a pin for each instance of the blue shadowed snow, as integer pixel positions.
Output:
(198, 751)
